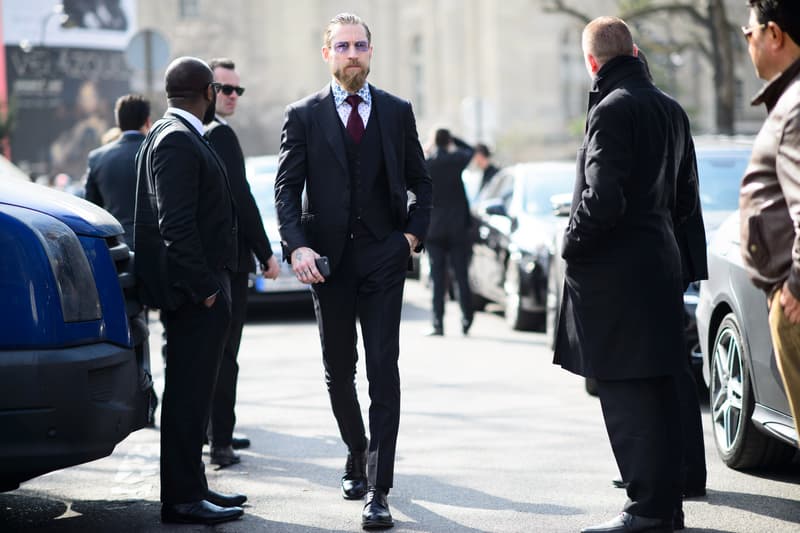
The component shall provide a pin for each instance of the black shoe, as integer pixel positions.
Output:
(618, 483)
(240, 443)
(224, 456)
(434, 332)
(376, 513)
(629, 523)
(466, 323)
(678, 522)
(202, 512)
(354, 481)
(225, 500)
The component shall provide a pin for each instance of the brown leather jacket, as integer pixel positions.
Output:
(769, 200)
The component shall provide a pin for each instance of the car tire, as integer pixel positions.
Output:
(739, 443)
(516, 317)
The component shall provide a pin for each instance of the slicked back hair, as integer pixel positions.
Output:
(606, 38)
(784, 13)
(222, 62)
(344, 19)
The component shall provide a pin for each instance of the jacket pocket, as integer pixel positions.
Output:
(757, 249)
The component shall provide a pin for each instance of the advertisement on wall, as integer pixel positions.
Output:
(65, 68)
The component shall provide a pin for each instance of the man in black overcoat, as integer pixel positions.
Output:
(185, 236)
(349, 155)
(253, 241)
(621, 319)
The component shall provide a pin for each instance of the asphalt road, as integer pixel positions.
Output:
(493, 437)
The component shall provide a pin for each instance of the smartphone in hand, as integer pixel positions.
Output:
(323, 266)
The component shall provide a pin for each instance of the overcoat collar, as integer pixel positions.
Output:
(613, 73)
(773, 89)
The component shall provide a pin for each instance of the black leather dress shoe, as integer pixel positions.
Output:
(225, 500)
(376, 513)
(466, 323)
(240, 443)
(629, 523)
(202, 512)
(354, 481)
(618, 483)
(224, 456)
(434, 332)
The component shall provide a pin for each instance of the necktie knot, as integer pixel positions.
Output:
(355, 126)
(353, 100)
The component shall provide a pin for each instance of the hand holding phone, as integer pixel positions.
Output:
(323, 266)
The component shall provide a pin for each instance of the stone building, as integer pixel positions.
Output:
(503, 72)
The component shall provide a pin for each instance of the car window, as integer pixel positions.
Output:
(499, 187)
(720, 174)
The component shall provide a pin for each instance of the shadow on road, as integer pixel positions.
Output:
(770, 506)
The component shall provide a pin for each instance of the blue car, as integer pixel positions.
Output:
(71, 383)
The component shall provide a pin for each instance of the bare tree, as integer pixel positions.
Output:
(714, 40)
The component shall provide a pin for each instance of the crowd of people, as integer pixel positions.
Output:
(349, 156)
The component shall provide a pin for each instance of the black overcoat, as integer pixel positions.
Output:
(636, 189)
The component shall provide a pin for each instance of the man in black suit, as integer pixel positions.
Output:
(483, 159)
(355, 150)
(185, 235)
(621, 318)
(448, 234)
(111, 174)
(252, 240)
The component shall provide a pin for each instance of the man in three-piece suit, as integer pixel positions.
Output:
(252, 240)
(111, 173)
(355, 151)
(621, 318)
(185, 236)
(448, 233)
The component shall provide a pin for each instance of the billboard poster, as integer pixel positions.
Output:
(64, 70)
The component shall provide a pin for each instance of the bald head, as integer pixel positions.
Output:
(605, 38)
(187, 77)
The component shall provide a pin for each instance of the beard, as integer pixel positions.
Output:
(351, 81)
(210, 110)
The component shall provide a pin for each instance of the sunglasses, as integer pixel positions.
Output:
(342, 47)
(228, 90)
(748, 30)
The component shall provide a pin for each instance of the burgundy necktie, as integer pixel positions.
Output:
(355, 126)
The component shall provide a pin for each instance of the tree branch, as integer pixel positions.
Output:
(686, 9)
(558, 6)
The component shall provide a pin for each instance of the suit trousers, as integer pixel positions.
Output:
(196, 337)
(223, 417)
(457, 250)
(786, 343)
(693, 464)
(642, 417)
(366, 285)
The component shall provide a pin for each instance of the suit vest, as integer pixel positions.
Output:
(370, 206)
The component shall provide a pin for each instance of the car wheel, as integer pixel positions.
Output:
(517, 317)
(739, 443)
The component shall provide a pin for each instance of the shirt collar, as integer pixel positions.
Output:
(196, 123)
(220, 120)
(131, 132)
(339, 94)
(773, 89)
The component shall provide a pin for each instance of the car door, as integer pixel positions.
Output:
(490, 252)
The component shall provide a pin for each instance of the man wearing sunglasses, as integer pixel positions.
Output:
(354, 149)
(253, 241)
(185, 237)
(770, 196)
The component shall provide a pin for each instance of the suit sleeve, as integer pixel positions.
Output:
(417, 179)
(176, 167)
(608, 162)
(92, 192)
(688, 220)
(465, 151)
(289, 183)
(787, 167)
(251, 227)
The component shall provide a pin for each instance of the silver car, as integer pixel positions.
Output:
(750, 414)
(261, 172)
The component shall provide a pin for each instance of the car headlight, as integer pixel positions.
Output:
(74, 278)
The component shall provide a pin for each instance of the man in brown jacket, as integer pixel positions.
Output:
(770, 195)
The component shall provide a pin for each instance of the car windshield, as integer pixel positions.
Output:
(541, 184)
(261, 173)
(720, 174)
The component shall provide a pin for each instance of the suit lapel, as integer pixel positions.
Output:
(381, 107)
(328, 119)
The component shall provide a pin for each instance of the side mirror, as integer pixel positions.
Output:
(562, 204)
(495, 207)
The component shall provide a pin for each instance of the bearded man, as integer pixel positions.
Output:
(354, 149)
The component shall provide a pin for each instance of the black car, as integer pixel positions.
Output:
(750, 414)
(513, 245)
(721, 162)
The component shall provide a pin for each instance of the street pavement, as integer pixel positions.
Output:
(493, 437)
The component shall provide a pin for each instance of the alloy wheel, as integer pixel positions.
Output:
(727, 388)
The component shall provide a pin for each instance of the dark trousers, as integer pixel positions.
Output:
(368, 285)
(196, 337)
(223, 417)
(642, 418)
(457, 251)
(693, 464)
